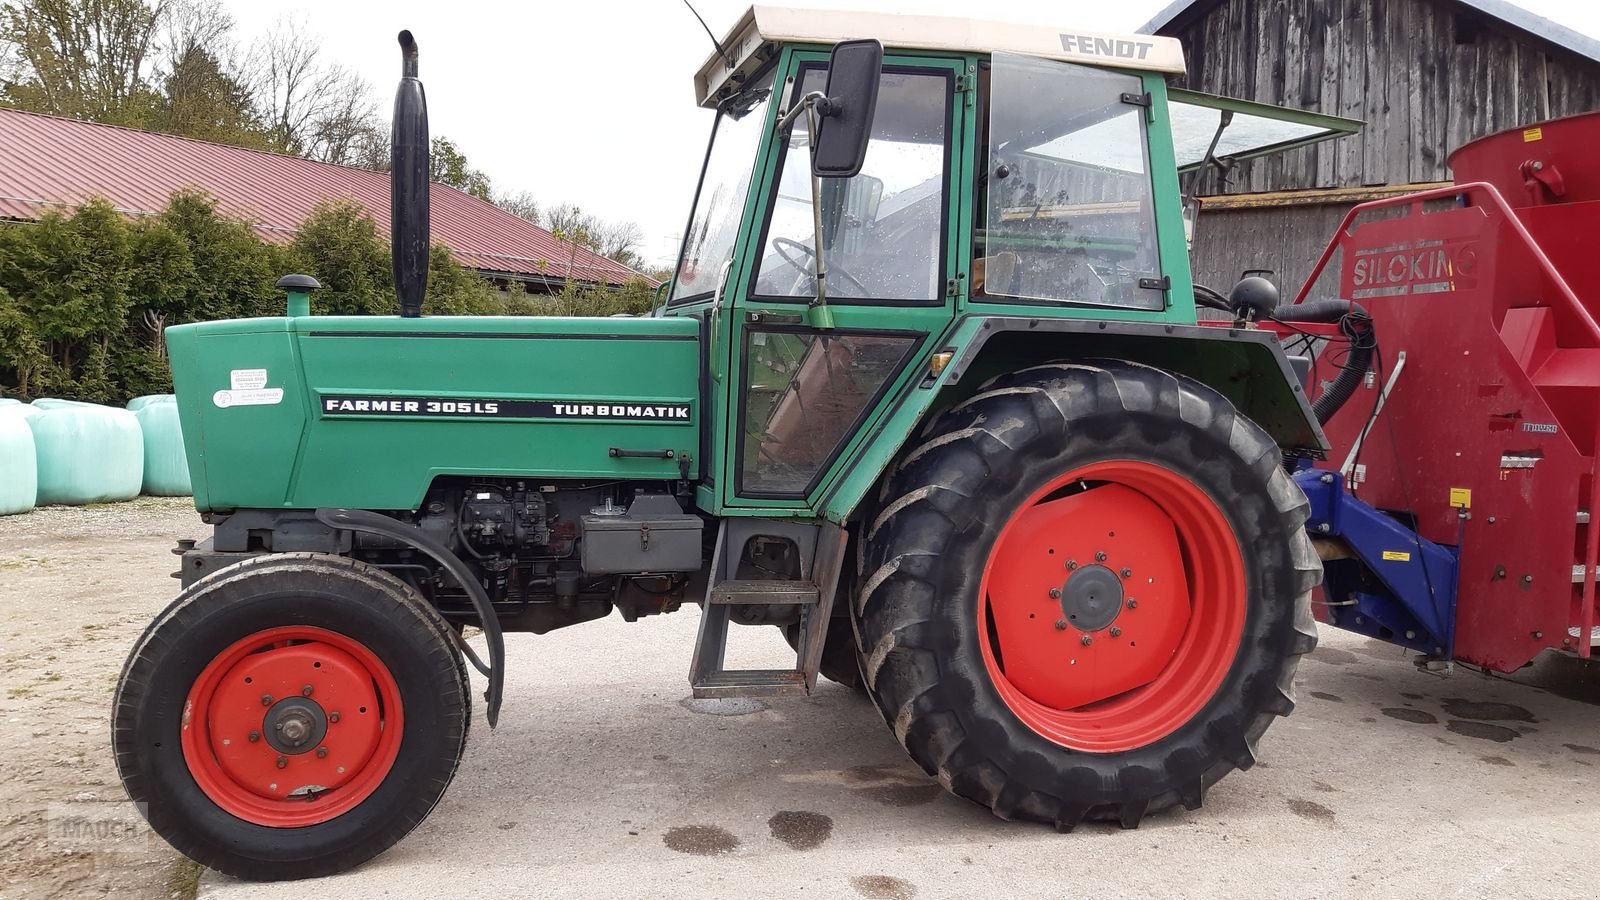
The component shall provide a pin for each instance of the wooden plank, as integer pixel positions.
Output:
(1418, 17)
(1375, 138)
(1328, 100)
(1353, 91)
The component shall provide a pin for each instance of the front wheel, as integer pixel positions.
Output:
(1086, 593)
(291, 716)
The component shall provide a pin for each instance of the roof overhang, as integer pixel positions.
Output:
(754, 39)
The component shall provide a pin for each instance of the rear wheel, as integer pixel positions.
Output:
(291, 716)
(1086, 594)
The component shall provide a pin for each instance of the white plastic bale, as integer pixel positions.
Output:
(166, 467)
(19, 468)
(87, 453)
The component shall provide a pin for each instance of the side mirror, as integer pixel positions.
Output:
(852, 92)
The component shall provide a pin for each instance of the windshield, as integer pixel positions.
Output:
(723, 188)
(1068, 214)
(881, 229)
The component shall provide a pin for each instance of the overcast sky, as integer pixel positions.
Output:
(591, 101)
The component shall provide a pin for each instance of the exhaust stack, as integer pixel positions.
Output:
(408, 183)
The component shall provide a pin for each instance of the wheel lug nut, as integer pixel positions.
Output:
(1132, 603)
(333, 716)
(305, 691)
(266, 699)
(1071, 564)
(1086, 640)
(1061, 624)
(255, 736)
(322, 753)
(283, 762)
(1055, 593)
(1115, 631)
(1127, 572)
(1100, 556)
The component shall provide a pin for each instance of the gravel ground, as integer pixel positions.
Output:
(602, 781)
(77, 586)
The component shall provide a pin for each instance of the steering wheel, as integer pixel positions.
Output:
(781, 246)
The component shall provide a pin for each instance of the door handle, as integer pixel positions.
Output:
(756, 317)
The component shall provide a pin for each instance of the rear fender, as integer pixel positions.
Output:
(1246, 365)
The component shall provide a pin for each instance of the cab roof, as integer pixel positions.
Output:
(755, 38)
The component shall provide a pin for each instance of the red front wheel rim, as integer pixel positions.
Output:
(1112, 606)
(292, 726)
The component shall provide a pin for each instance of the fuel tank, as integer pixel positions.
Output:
(312, 411)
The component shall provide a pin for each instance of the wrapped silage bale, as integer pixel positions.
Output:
(166, 468)
(19, 467)
(139, 403)
(87, 453)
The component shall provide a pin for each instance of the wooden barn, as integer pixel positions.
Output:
(1425, 75)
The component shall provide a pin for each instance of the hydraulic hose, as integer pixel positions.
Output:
(1356, 324)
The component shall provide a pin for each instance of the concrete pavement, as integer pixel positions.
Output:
(601, 782)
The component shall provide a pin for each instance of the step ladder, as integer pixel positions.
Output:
(814, 595)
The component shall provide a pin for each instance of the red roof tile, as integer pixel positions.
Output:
(48, 162)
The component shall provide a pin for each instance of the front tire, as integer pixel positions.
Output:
(1086, 593)
(291, 716)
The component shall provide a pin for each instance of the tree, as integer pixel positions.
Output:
(617, 241)
(87, 60)
(521, 204)
(448, 165)
(204, 93)
(202, 99)
(338, 245)
(309, 107)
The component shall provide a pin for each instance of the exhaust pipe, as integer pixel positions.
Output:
(408, 184)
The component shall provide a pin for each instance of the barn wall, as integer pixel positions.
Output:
(1425, 75)
(1286, 239)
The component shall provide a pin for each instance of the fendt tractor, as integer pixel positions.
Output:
(928, 391)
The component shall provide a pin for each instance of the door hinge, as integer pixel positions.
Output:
(964, 83)
(950, 287)
(1164, 283)
(1135, 99)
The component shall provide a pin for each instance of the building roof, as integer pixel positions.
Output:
(55, 163)
(1510, 14)
(749, 42)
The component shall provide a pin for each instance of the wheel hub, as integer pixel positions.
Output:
(303, 758)
(295, 725)
(1091, 597)
(1071, 627)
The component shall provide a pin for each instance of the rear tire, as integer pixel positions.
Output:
(1054, 460)
(379, 734)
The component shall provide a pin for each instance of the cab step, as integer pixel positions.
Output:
(822, 551)
(751, 683)
(734, 593)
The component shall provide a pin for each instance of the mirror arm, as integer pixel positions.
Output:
(804, 104)
(817, 314)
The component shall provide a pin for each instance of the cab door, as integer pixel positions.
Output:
(801, 399)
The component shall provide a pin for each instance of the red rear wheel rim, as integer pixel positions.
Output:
(1112, 606)
(292, 726)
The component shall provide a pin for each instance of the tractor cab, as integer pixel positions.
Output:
(1037, 178)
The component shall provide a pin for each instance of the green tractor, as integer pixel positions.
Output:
(927, 392)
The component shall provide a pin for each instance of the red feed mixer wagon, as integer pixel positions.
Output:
(1462, 524)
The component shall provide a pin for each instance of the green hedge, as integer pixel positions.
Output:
(84, 297)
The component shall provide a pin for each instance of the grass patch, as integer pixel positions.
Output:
(184, 881)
